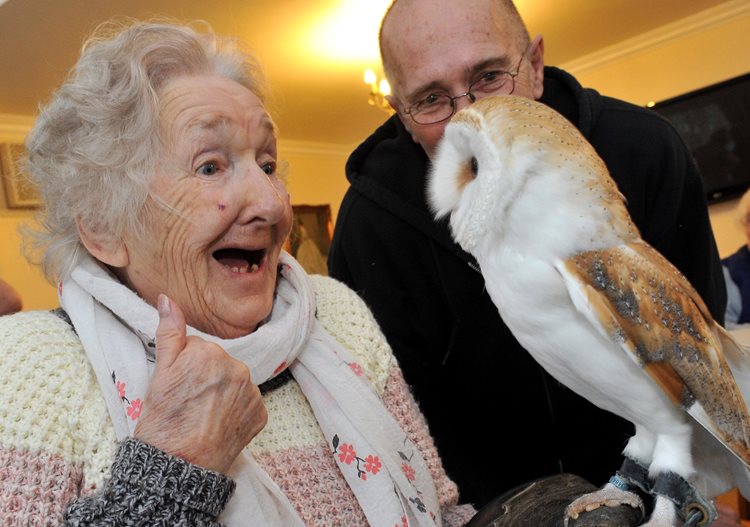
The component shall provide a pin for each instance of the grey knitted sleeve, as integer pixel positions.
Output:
(150, 487)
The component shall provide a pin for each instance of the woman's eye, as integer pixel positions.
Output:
(208, 169)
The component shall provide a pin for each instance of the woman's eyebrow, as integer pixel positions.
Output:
(209, 123)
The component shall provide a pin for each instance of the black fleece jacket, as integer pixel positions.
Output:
(498, 419)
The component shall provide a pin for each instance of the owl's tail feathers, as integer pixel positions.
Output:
(719, 465)
(738, 358)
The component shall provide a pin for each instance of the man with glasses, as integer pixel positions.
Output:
(497, 418)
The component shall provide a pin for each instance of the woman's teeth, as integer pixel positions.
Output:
(245, 269)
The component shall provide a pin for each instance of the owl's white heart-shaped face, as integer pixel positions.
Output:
(512, 170)
(464, 178)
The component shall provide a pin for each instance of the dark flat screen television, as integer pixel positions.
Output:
(715, 123)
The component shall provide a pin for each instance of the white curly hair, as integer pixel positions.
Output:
(95, 145)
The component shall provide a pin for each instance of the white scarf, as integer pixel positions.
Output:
(385, 470)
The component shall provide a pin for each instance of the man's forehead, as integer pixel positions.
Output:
(406, 16)
(461, 32)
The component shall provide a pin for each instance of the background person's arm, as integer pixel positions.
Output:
(10, 300)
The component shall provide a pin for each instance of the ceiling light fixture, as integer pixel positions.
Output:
(378, 92)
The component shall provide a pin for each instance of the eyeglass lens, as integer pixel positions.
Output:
(439, 107)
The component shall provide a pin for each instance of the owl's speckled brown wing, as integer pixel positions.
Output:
(633, 295)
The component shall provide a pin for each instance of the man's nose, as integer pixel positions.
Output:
(464, 100)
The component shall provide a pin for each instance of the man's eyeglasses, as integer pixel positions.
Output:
(437, 107)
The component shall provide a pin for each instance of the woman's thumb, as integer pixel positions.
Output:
(170, 333)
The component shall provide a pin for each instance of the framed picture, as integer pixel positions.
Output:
(19, 192)
(311, 237)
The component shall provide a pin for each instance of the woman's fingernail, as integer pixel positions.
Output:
(163, 305)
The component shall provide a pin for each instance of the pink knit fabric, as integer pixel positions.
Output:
(401, 404)
(318, 499)
(34, 486)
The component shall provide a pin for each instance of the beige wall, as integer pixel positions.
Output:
(35, 291)
(316, 172)
(692, 53)
(28, 280)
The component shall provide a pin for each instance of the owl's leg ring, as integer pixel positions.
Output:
(632, 475)
(694, 509)
(620, 490)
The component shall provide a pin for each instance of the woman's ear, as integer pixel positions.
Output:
(105, 248)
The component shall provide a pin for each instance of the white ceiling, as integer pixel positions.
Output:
(316, 100)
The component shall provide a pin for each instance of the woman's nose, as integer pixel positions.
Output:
(265, 197)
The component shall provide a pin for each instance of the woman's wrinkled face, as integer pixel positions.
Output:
(216, 253)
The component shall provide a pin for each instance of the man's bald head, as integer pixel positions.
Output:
(423, 21)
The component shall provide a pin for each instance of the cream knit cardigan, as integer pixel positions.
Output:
(57, 440)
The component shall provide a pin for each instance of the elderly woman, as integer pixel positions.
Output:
(195, 374)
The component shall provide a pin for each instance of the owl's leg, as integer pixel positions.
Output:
(676, 496)
(624, 486)
(678, 502)
(621, 490)
(663, 515)
(632, 476)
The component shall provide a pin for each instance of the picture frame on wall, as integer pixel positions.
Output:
(19, 192)
(310, 238)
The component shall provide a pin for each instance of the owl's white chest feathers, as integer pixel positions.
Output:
(533, 301)
(547, 224)
(549, 217)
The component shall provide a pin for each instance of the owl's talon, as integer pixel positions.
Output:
(607, 496)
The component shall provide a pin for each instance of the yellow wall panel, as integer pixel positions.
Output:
(28, 280)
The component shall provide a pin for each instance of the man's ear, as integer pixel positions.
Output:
(537, 65)
(393, 102)
(406, 121)
(103, 247)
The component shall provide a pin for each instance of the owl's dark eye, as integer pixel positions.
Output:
(474, 166)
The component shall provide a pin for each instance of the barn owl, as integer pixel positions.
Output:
(600, 309)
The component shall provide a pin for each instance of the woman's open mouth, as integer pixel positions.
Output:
(240, 260)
